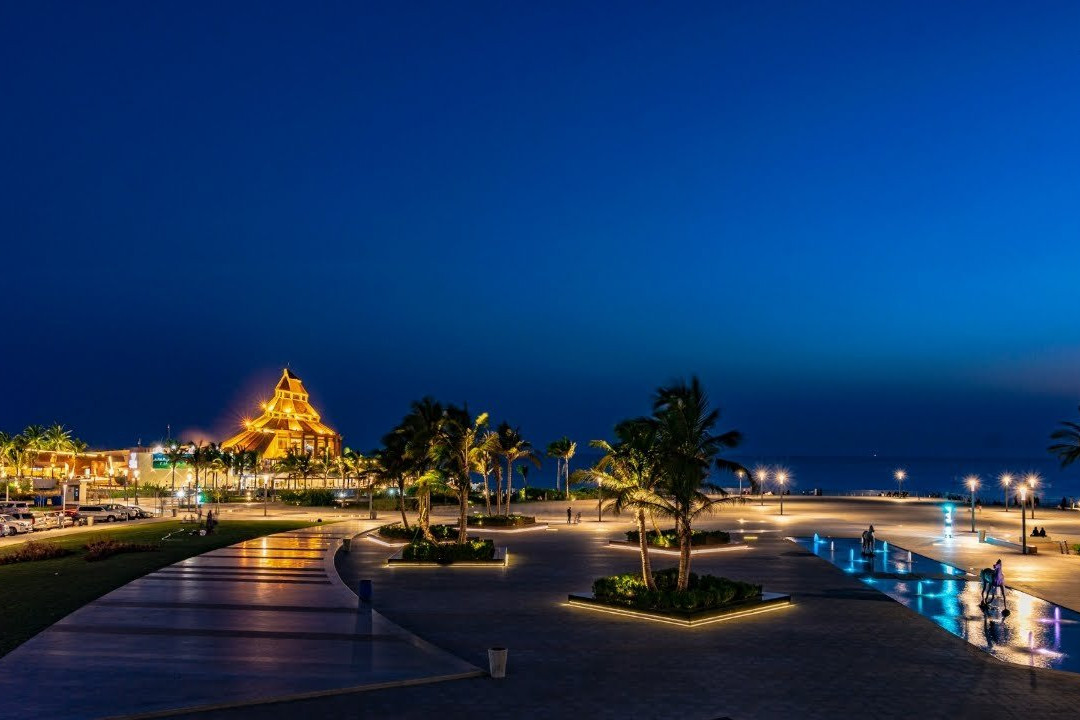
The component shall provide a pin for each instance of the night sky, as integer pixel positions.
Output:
(856, 223)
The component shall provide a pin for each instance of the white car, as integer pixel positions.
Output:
(12, 525)
(101, 513)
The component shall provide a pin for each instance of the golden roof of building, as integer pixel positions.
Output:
(287, 413)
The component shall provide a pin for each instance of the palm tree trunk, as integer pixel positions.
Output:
(498, 489)
(401, 503)
(425, 516)
(509, 482)
(463, 498)
(684, 556)
(487, 493)
(646, 565)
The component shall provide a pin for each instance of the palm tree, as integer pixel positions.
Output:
(485, 462)
(510, 445)
(563, 450)
(390, 467)
(688, 449)
(523, 471)
(421, 431)
(57, 438)
(78, 447)
(630, 470)
(1067, 448)
(35, 440)
(174, 455)
(459, 436)
(8, 446)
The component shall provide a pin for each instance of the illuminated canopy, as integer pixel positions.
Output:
(288, 422)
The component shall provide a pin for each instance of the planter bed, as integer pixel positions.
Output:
(500, 560)
(766, 602)
(526, 528)
(507, 522)
(694, 549)
(698, 538)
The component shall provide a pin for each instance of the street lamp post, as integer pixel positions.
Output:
(739, 474)
(900, 476)
(781, 478)
(973, 482)
(1006, 478)
(1023, 520)
(1032, 479)
(762, 476)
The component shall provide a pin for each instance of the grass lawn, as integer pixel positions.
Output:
(34, 595)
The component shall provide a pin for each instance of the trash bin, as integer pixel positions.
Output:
(174, 512)
(982, 536)
(373, 515)
(497, 662)
(346, 544)
(89, 521)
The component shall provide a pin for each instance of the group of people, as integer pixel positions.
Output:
(569, 514)
(1037, 532)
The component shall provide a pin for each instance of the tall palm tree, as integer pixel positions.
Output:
(420, 428)
(174, 455)
(512, 446)
(57, 438)
(485, 462)
(1067, 448)
(78, 447)
(688, 450)
(459, 436)
(390, 467)
(35, 441)
(563, 450)
(8, 446)
(630, 470)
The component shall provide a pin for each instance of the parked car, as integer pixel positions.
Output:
(73, 514)
(27, 517)
(101, 513)
(14, 506)
(123, 510)
(20, 526)
(141, 512)
(8, 526)
(50, 520)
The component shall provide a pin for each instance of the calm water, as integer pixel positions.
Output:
(1036, 632)
(847, 475)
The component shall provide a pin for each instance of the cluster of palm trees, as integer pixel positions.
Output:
(209, 463)
(437, 448)
(1066, 442)
(21, 451)
(660, 466)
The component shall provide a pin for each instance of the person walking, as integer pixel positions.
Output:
(999, 586)
(569, 513)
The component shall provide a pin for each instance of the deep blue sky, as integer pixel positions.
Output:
(857, 223)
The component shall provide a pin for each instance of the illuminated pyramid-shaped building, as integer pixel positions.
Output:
(288, 422)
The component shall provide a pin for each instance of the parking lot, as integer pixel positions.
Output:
(20, 521)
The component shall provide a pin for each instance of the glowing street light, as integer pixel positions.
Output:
(740, 473)
(781, 477)
(1032, 479)
(762, 474)
(900, 476)
(1023, 520)
(1005, 479)
(972, 483)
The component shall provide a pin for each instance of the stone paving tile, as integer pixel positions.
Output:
(844, 651)
(188, 636)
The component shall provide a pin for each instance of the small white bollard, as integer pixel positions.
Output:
(497, 662)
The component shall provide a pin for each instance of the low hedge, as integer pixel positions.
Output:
(500, 521)
(704, 592)
(446, 553)
(33, 550)
(397, 531)
(101, 549)
(669, 538)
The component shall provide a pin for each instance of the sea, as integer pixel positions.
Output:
(875, 475)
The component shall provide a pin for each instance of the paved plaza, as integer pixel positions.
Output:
(260, 619)
(174, 639)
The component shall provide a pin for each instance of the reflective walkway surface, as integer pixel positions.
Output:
(1035, 632)
(261, 620)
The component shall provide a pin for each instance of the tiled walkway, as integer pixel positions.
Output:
(265, 619)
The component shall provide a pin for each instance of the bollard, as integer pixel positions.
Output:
(346, 544)
(365, 591)
(373, 515)
(497, 662)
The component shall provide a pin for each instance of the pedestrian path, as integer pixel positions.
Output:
(261, 620)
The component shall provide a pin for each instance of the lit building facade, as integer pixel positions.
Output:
(288, 423)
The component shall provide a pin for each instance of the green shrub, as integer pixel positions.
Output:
(33, 550)
(500, 521)
(101, 549)
(668, 538)
(704, 592)
(309, 498)
(446, 553)
(541, 494)
(397, 531)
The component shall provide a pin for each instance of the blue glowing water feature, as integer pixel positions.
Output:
(1036, 633)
